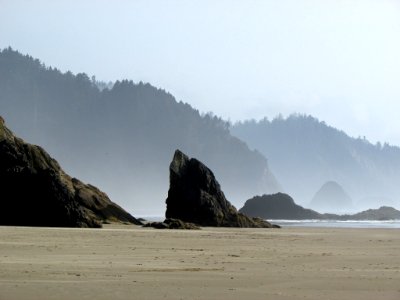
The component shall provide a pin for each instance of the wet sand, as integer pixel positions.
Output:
(128, 262)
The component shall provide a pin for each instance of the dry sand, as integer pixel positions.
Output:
(127, 262)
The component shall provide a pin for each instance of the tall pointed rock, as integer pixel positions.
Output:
(195, 196)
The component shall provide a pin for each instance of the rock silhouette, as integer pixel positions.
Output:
(37, 192)
(195, 196)
(277, 206)
(331, 197)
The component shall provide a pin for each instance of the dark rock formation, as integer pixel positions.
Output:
(382, 213)
(172, 224)
(35, 191)
(195, 196)
(277, 206)
(282, 206)
(331, 197)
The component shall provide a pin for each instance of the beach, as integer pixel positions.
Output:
(131, 262)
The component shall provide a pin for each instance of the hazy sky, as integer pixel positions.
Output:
(336, 60)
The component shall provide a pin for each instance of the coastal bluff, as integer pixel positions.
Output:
(37, 192)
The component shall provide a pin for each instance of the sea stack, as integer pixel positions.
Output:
(37, 192)
(331, 198)
(195, 196)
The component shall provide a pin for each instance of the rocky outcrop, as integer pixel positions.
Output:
(172, 224)
(195, 196)
(37, 192)
(277, 206)
(282, 206)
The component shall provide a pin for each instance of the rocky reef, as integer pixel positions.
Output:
(380, 214)
(172, 224)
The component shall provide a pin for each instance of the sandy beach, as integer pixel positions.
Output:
(129, 262)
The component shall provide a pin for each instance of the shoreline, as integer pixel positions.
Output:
(317, 223)
(362, 224)
(131, 262)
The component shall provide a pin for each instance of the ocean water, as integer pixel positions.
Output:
(316, 223)
(338, 224)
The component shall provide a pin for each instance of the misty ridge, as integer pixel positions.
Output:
(121, 137)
